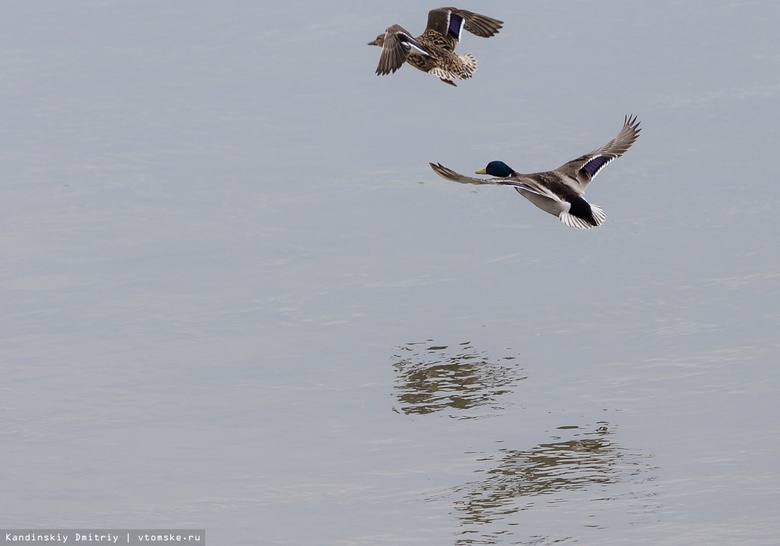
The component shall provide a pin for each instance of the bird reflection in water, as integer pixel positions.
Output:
(551, 473)
(433, 378)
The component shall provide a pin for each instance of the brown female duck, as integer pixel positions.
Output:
(434, 50)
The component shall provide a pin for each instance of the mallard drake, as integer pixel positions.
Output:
(433, 51)
(558, 192)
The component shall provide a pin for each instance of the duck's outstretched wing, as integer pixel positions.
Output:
(449, 174)
(450, 22)
(585, 168)
(516, 183)
(397, 44)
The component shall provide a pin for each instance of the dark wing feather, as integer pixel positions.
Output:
(591, 168)
(586, 167)
(395, 49)
(450, 22)
(477, 24)
(623, 141)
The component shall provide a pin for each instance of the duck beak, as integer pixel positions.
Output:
(481, 171)
(373, 43)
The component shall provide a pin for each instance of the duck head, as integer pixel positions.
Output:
(497, 168)
(380, 40)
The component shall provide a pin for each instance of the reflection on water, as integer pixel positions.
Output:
(516, 478)
(455, 378)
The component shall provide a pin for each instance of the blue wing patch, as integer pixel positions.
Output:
(592, 167)
(456, 26)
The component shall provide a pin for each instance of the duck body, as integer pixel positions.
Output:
(434, 50)
(558, 192)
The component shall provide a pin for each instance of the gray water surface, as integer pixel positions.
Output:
(235, 296)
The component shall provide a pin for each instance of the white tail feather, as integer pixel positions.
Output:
(579, 223)
(469, 65)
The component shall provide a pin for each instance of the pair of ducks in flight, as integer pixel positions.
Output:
(558, 192)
